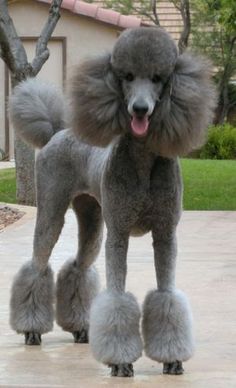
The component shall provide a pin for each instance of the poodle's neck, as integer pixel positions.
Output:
(138, 146)
(139, 152)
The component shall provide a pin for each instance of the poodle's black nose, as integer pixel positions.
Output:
(140, 109)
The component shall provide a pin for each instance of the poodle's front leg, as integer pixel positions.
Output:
(115, 315)
(166, 313)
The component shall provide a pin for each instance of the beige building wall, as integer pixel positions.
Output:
(2, 106)
(84, 37)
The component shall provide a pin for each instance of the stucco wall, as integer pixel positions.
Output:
(84, 37)
(2, 107)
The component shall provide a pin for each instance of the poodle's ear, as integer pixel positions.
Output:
(97, 108)
(186, 108)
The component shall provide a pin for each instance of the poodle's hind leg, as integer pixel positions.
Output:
(115, 315)
(167, 318)
(32, 294)
(77, 282)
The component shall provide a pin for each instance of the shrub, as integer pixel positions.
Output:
(221, 143)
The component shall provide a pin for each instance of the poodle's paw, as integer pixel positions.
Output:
(32, 338)
(81, 336)
(122, 370)
(173, 368)
(31, 306)
(75, 290)
(167, 327)
(114, 329)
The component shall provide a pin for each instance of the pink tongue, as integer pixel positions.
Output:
(139, 126)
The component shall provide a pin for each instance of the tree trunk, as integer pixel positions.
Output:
(25, 181)
(224, 85)
(224, 106)
(24, 155)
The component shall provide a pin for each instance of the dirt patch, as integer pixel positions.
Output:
(9, 215)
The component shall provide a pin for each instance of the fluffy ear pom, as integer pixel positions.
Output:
(186, 108)
(97, 105)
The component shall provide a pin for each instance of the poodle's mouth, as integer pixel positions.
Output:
(139, 125)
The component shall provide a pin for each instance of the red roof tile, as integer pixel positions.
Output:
(85, 9)
(104, 15)
(108, 16)
(68, 4)
(130, 21)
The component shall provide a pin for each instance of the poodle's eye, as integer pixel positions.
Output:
(129, 77)
(156, 78)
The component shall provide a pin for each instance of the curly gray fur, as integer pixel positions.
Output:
(47, 103)
(97, 107)
(180, 122)
(75, 290)
(167, 326)
(32, 299)
(114, 328)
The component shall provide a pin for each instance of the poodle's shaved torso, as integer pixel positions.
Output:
(126, 178)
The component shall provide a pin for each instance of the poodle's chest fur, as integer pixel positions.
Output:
(139, 188)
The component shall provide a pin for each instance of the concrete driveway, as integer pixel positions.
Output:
(206, 271)
(3, 165)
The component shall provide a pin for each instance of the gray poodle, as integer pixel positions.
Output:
(132, 113)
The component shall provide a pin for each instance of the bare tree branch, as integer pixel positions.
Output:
(183, 7)
(42, 52)
(12, 51)
(231, 105)
(144, 13)
(154, 11)
(177, 5)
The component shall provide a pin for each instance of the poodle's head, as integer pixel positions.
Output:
(146, 89)
(143, 60)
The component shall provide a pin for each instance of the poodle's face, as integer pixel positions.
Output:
(143, 60)
(144, 88)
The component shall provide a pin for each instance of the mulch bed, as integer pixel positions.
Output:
(9, 215)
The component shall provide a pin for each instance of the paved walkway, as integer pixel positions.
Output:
(206, 271)
(9, 164)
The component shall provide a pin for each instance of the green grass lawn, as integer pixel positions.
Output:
(208, 184)
(8, 185)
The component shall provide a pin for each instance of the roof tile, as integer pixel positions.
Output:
(129, 21)
(68, 4)
(86, 9)
(98, 13)
(108, 16)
